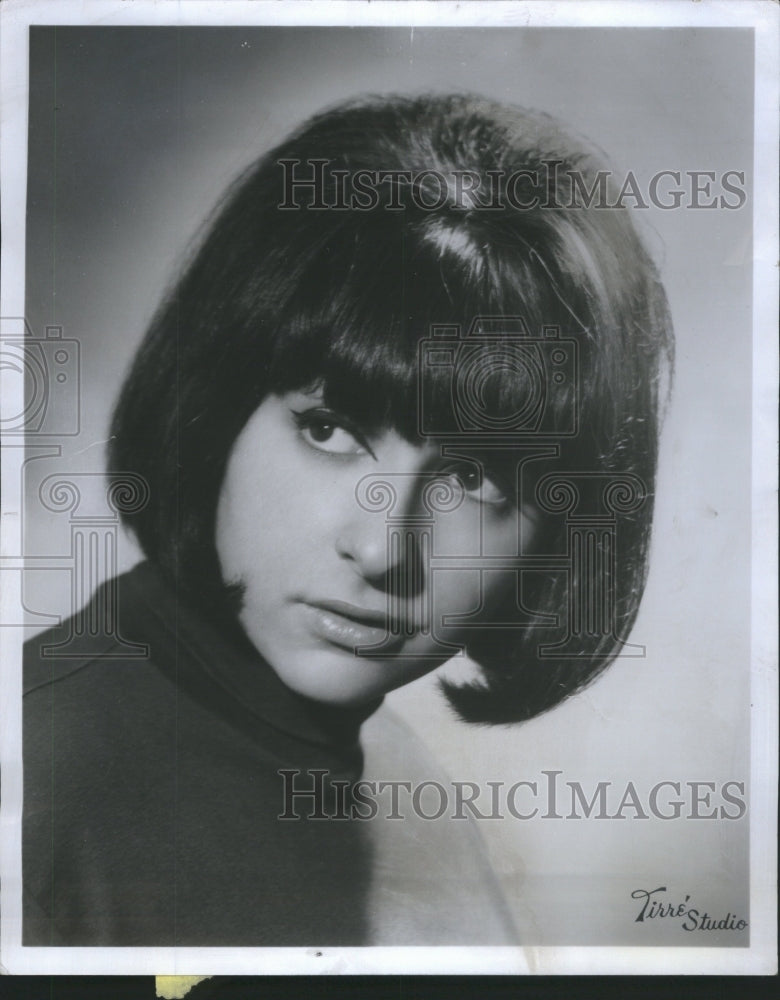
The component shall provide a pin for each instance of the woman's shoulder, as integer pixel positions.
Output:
(86, 686)
(91, 704)
(97, 730)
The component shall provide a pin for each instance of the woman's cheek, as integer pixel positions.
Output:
(463, 589)
(459, 532)
(455, 592)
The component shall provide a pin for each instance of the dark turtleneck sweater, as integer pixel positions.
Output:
(152, 791)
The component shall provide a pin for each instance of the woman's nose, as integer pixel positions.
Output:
(379, 536)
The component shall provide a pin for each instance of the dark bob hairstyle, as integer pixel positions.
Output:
(480, 209)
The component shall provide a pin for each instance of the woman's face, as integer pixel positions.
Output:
(330, 568)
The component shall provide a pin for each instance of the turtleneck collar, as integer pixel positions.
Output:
(231, 678)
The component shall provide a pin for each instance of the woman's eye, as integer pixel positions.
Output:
(325, 431)
(477, 485)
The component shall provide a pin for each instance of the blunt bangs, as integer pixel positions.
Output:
(360, 316)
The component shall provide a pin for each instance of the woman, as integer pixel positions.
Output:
(402, 405)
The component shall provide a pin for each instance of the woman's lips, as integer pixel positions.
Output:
(350, 627)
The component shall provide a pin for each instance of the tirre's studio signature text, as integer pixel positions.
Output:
(655, 907)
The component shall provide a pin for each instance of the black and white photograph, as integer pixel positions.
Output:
(389, 471)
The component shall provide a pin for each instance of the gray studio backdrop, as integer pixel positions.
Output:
(134, 133)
